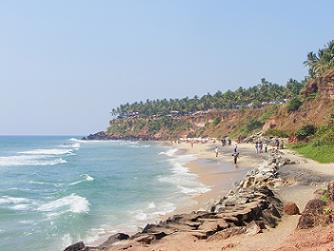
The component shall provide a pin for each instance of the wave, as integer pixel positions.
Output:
(170, 152)
(71, 203)
(55, 151)
(13, 200)
(150, 213)
(86, 178)
(186, 182)
(16, 203)
(30, 160)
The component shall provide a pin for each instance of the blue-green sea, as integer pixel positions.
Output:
(58, 190)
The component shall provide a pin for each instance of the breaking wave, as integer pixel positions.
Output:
(71, 203)
(170, 152)
(55, 151)
(30, 160)
(186, 181)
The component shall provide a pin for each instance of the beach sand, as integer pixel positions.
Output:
(301, 180)
(218, 173)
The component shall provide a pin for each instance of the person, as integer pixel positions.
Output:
(261, 147)
(277, 144)
(235, 154)
(229, 141)
(257, 147)
(265, 148)
(216, 151)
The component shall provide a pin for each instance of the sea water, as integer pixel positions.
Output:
(55, 191)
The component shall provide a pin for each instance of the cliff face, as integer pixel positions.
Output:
(317, 104)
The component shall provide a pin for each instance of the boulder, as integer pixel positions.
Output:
(114, 238)
(79, 246)
(306, 221)
(290, 208)
(314, 206)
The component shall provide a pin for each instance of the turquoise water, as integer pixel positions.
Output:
(58, 190)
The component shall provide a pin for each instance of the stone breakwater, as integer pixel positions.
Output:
(249, 208)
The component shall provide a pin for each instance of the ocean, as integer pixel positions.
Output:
(56, 190)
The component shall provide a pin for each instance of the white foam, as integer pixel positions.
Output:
(186, 181)
(141, 216)
(165, 208)
(30, 160)
(151, 205)
(86, 178)
(170, 152)
(13, 200)
(71, 203)
(16, 203)
(54, 151)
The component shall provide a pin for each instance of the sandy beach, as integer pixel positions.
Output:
(218, 173)
(301, 180)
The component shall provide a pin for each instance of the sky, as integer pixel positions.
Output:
(65, 64)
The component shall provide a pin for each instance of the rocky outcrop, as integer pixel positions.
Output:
(104, 136)
(249, 208)
(290, 208)
(318, 211)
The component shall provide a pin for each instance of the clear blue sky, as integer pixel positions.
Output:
(65, 64)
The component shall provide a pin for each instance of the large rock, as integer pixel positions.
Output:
(113, 239)
(290, 208)
(314, 206)
(79, 246)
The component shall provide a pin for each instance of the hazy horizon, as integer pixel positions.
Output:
(65, 65)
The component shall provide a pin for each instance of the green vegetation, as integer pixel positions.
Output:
(305, 131)
(216, 121)
(294, 104)
(322, 154)
(320, 147)
(247, 128)
(276, 133)
(256, 96)
(322, 61)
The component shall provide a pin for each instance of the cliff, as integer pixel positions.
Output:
(317, 104)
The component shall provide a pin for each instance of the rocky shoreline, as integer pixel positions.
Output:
(104, 136)
(251, 207)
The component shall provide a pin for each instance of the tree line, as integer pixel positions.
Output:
(256, 96)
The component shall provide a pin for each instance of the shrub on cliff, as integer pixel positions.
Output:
(216, 121)
(294, 105)
(305, 132)
(276, 133)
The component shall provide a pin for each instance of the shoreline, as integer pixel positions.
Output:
(218, 174)
(277, 178)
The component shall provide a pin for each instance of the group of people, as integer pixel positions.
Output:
(226, 141)
(235, 153)
(260, 147)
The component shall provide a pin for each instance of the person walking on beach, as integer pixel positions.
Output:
(235, 155)
(261, 147)
(257, 147)
(216, 151)
(277, 144)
